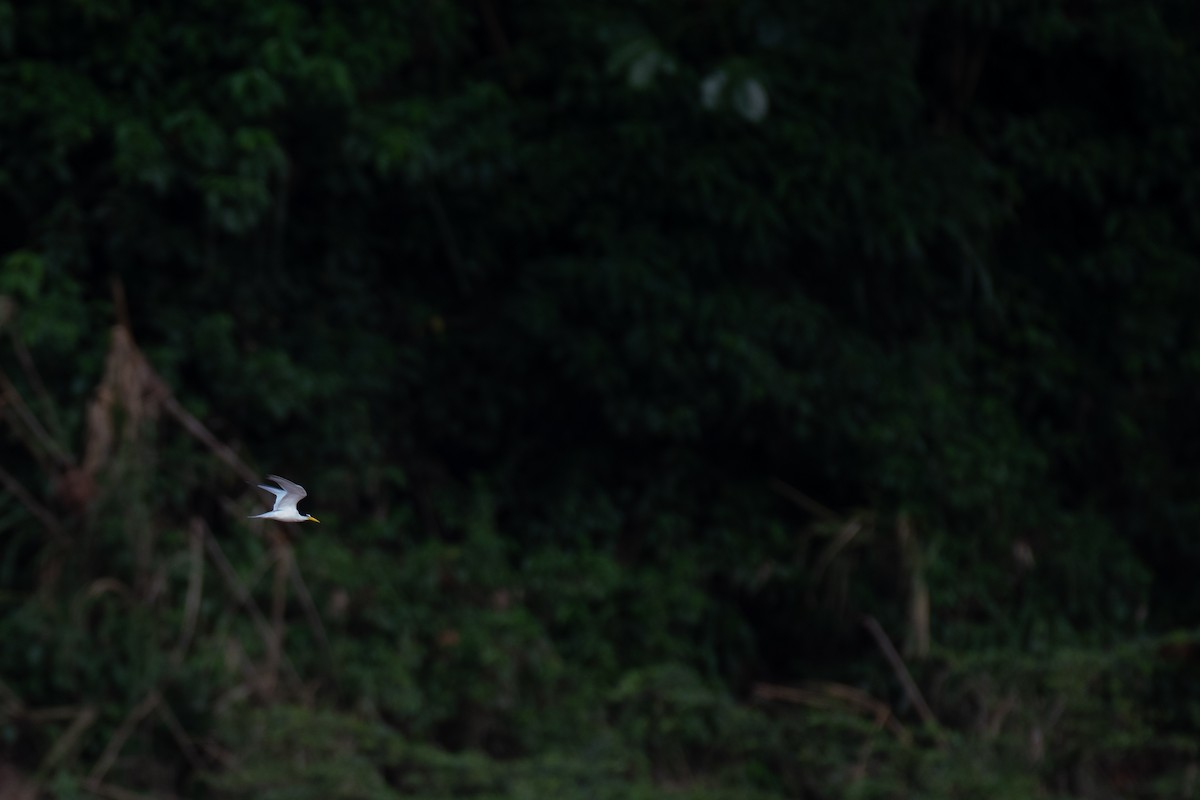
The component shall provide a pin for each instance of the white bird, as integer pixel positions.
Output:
(285, 502)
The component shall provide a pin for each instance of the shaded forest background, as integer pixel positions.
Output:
(700, 400)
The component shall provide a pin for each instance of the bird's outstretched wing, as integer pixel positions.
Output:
(279, 494)
(289, 496)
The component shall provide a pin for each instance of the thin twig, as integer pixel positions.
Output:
(39, 386)
(259, 569)
(66, 743)
(217, 751)
(917, 643)
(844, 536)
(117, 793)
(858, 774)
(186, 746)
(283, 560)
(14, 487)
(801, 499)
(902, 674)
(310, 610)
(995, 720)
(243, 596)
(196, 428)
(195, 590)
(10, 701)
(834, 696)
(50, 714)
(120, 736)
(18, 404)
(236, 657)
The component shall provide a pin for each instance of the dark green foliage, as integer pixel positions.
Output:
(631, 354)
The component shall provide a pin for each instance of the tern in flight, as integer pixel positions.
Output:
(285, 502)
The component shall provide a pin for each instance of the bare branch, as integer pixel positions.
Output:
(32, 424)
(67, 742)
(844, 536)
(283, 566)
(243, 596)
(205, 436)
(186, 745)
(120, 736)
(48, 520)
(195, 590)
(39, 386)
(832, 696)
(801, 499)
(310, 609)
(897, 663)
(111, 792)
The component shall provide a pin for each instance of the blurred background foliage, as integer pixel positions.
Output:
(702, 400)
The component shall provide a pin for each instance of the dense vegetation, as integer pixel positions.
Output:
(700, 400)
